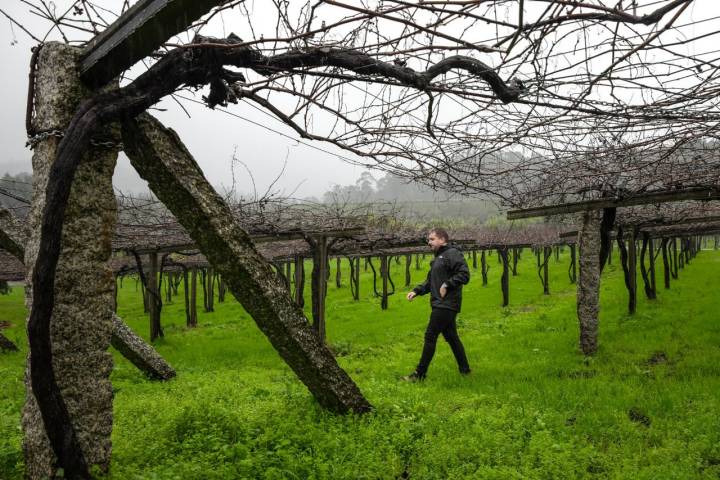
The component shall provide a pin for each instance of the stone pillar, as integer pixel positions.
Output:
(588, 285)
(81, 325)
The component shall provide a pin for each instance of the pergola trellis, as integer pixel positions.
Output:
(156, 242)
(463, 153)
(644, 221)
(634, 227)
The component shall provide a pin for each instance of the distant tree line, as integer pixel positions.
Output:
(412, 200)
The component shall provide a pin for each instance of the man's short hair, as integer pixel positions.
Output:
(441, 233)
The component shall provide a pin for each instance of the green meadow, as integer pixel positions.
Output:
(645, 407)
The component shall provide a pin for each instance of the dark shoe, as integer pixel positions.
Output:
(413, 377)
(466, 373)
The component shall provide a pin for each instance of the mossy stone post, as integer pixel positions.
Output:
(588, 285)
(81, 324)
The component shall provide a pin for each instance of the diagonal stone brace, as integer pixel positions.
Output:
(139, 352)
(160, 157)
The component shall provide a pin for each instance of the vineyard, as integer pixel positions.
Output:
(643, 407)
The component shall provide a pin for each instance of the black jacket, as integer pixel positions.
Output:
(448, 267)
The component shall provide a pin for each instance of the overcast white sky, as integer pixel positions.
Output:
(211, 136)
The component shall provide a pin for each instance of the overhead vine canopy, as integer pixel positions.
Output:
(531, 101)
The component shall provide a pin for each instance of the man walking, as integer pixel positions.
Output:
(448, 273)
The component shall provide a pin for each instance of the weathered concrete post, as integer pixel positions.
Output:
(81, 324)
(139, 353)
(588, 285)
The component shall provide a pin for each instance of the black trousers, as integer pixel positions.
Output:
(442, 321)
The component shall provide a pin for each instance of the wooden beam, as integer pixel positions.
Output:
(658, 223)
(256, 238)
(141, 30)
(600, 203)
(664, 222)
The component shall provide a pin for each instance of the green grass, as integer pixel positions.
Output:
(644, 407)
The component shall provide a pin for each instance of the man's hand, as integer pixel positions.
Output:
(443, 291)
(411, 295)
